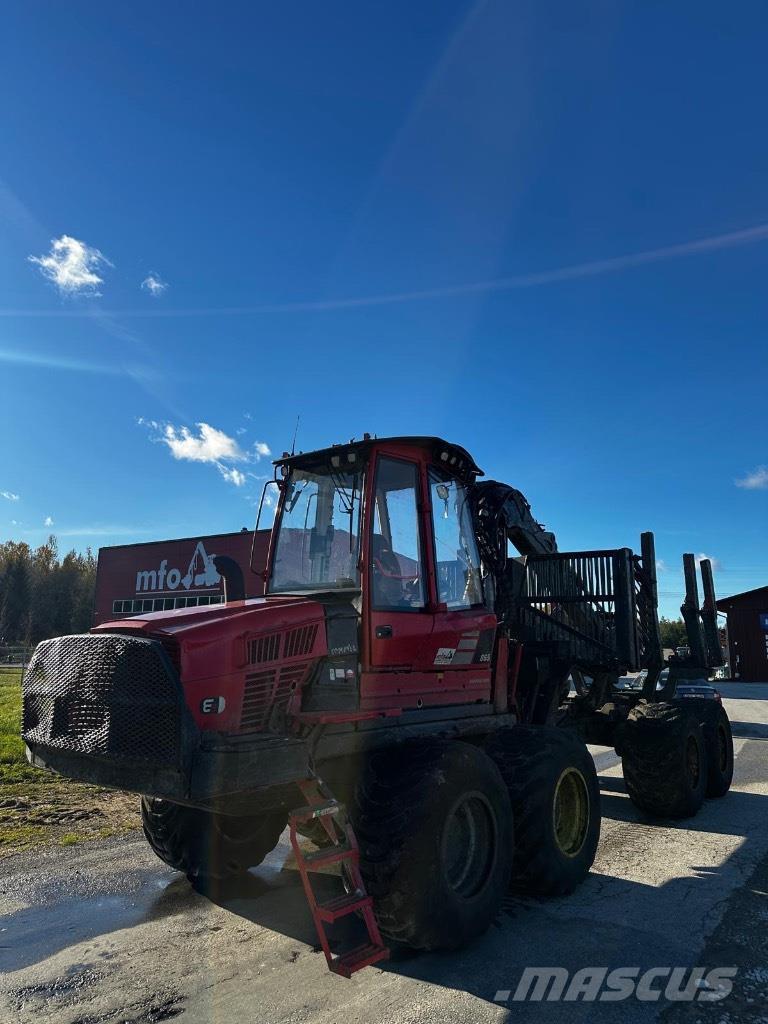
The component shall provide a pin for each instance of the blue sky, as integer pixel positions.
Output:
(539, 229)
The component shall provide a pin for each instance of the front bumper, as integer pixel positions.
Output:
(108, 709)
(264, 762)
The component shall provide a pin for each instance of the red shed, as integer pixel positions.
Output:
(165, 574)
(747, 634)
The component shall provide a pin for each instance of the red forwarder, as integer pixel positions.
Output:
(166, 574)
(405, 681)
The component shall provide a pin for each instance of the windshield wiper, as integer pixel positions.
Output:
(347, 501)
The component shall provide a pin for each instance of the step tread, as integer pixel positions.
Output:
(329, 855)
(347, 903)
(329, 808)
(356, 959)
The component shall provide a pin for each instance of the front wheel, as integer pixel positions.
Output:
(434, 826)
(208, 846)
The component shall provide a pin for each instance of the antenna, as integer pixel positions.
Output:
(293, 445)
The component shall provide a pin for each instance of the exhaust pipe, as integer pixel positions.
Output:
(232, 574)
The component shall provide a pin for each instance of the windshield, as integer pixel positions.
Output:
(318, 534)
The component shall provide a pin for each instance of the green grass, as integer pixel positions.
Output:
(34, 803)
(21, 837)
(13, 761)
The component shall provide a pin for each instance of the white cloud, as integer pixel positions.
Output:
(232, 475)
(48, 521)
(209, 445)
(9, 495)
(154, 284)
(72, 266)
(757, 480)
(716, 563)
(661, 565)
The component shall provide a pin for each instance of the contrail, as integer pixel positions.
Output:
(731, 240)
(50, 362)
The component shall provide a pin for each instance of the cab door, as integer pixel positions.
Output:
(400, 617)
(464, 629)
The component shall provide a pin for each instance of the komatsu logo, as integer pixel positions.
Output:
(201, 573)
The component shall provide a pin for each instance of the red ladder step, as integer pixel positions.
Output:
(343, 850)
(329, 855)
(356, 959)
(329, 808)
(332, 910)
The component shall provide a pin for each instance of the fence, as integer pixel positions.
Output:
(15, 657)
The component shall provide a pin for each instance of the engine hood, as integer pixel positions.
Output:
(269, 612)
(244, 657)
(213, 641)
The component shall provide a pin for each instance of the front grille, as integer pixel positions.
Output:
(103, 694)
(264, 648)
(267, 689)
(300, 641)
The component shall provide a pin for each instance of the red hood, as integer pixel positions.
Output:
(181, 620)
(212, 646)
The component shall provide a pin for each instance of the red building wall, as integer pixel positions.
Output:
(136, 578)
(748, 634)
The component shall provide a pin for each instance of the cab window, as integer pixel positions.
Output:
(457, 562)
(397, 575)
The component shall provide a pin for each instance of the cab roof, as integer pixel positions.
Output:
(452, 456)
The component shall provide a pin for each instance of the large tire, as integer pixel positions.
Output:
(664, 758)
(434, 827)
(719, 747)
(555, 798)
(208, 847)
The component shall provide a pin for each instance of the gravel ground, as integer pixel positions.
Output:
(102, 933)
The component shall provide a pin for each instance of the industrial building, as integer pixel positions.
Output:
(161, 575)
(747, 634)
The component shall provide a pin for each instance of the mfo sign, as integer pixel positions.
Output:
(201, 572)
(764, 621)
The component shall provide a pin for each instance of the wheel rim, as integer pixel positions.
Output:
(692, 761)
(469, 845)
(570, 812)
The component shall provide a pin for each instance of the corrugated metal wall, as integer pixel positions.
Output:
(748, 634)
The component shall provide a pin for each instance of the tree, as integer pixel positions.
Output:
(43, 595)
(14, 599)
(673, 633)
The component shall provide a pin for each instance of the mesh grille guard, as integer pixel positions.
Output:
(105, 695)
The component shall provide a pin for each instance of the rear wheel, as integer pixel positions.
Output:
(208, 846)
(434, 826)
(664, 757)
(555, 799)
(719, 748)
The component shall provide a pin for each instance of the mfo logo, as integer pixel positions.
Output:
(201, 573)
